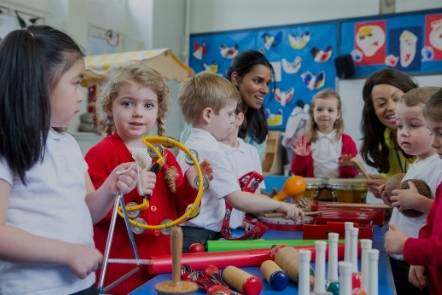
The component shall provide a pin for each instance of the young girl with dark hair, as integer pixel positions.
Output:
(47, 201)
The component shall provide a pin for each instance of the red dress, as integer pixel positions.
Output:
(163, 204)
(303, 165)
(427, 248)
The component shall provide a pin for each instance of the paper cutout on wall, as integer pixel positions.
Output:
(433, 37)
(370, 42)
(299, 41)
(284, 97)
(270, 40)
(291, 67)
(228, 52)
(199, 50)
(313, 82)
(405, 45)
(321, 56)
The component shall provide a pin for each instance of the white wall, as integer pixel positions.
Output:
(221, 15)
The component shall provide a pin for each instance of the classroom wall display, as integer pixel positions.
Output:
(302, 57)
(410, 42)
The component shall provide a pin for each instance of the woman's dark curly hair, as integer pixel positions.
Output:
(374, 149)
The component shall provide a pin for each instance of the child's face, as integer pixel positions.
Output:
(65, 97)
(436, 129)
(384, 98)
(254, 86)
(221, 125)
(325, 113)
(134, 111)
(413, 136)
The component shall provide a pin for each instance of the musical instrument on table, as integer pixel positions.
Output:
(176, 286)
(349, 190)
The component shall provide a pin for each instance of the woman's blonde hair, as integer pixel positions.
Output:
(141, 73)
(312, 128)
(206, 90)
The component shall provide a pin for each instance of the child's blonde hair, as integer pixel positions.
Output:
(141, 73)
(420, 95)
(433, 108)
(205, 90)
(312, 128)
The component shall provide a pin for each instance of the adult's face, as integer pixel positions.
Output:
(384, 98)
(254, 86)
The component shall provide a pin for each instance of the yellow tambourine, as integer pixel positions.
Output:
(191, 211)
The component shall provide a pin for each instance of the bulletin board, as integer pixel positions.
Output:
(302, 57)
(303, 54)
(410, 42)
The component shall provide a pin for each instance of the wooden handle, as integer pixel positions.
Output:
(360, 167)
(353, 205)
(176, 242)
(277, 214)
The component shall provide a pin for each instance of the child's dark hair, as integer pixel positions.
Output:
(433, 108)
(31, 63)
(255, 124)
(374, 150)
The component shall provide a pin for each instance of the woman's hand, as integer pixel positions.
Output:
(376, 184)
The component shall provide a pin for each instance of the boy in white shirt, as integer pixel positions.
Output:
(245, 160)
(208, 103)
(415, 139)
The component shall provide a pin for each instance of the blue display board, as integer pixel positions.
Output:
(302, 57)
(410, 42)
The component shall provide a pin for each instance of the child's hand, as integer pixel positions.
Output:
(345, 160)
(122, 179)
(192, 174)
(291, 211)
(82, 260)
(406, 198)
(301, 147)
(394, 240)
(417, 277)
(376, 185)
(146, 182)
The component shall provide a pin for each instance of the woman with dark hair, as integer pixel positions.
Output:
(379, 148)
(252, 74)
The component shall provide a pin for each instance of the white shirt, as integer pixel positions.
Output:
(430, 171)
(51, 205)
(243, 159)
(326, 151)
(224, 181)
